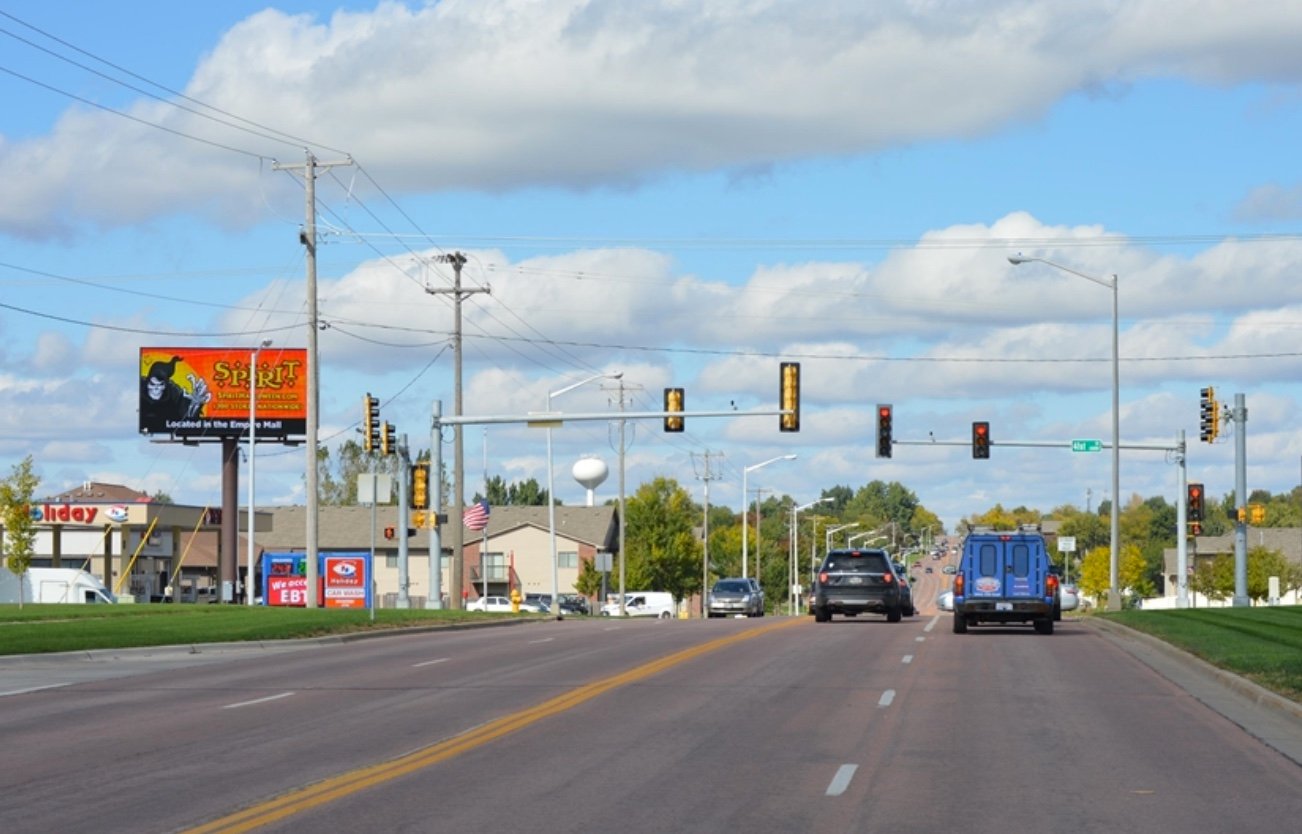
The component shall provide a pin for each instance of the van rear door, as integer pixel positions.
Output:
(1007, 567)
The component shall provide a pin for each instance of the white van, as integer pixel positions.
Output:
(643, 604)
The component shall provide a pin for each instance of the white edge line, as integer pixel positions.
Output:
(258, 701)
(430, 662)
(543, 640)
(841, 780)
(32, 689)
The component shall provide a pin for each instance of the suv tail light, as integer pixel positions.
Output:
(1051, 585)
(958, 585)
(822, 577)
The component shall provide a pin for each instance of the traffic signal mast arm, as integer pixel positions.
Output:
(544, 418)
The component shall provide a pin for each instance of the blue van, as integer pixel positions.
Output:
(1004, 577)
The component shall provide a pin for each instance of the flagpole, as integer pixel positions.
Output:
(483, 553)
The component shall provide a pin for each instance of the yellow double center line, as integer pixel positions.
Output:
(337, 787)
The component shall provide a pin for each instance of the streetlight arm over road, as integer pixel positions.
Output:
(1114, 595)
(745, 509)
(551, 492)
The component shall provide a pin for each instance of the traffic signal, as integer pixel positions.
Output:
(789, 396)
(883, 431)
(1194, 502)
(674, 404)
(1209, 417)
(388, 439)
(419, 486)
(981, 440)
(1256, 513)
(370, 423)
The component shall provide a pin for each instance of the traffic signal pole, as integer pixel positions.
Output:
(1240, 417)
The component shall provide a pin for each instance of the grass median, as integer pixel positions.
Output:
(1263, 644)
(43, 628)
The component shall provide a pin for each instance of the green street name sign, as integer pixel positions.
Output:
(1087, 445)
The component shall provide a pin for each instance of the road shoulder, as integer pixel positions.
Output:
(1272, 718)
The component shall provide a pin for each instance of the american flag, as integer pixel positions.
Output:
(476, 516)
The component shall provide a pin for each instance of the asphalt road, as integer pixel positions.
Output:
(773, 724)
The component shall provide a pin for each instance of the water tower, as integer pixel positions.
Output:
(590, 473)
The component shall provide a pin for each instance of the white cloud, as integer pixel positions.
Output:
(498, 95)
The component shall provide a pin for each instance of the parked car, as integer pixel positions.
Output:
(1069, 598)
(498, 604)
(736, 597)
(945, 602)
(574, 604)
(658, 604)
(853, 582)
(1004, 577)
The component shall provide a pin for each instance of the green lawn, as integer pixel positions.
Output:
(42, 628)
(1263, 644)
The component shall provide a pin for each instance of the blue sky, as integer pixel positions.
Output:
(686, 193)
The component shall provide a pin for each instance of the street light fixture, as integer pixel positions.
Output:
(745, 511)
(795, 541)
(253, 416)
(551, 493)
(1114, 596)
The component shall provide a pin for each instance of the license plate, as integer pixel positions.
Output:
(856, 580)
(1003, 606)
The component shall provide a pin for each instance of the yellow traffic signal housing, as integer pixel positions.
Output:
(789, 396)
(1256, 513)
(1209, 416)
(419, 486)
(388, 440)
(370, 423)
(674, 403)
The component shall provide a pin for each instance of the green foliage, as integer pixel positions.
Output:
(520, 494)
(1214, 578)
(337, 473)
(16, 493)
(663, 551)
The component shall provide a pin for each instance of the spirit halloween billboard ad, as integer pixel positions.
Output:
(204, 392)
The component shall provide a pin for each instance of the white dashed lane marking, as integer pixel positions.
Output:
(841, 780)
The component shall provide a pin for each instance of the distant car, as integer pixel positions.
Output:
(498, 604)
(949, 569)
(736, 597)
(906, 596)
(930, 569)
(574, 604)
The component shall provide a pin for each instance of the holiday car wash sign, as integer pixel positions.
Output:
(344, 579)
(204, 392)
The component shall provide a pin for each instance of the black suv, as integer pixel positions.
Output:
(853, 582)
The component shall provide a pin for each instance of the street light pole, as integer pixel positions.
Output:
(1114, 594)
(745, 511)
(551, 493)
(253, 418)
(795, 542)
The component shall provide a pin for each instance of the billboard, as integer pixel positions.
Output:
(204, 392)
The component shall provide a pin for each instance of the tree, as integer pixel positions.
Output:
(662, 549)
(16, 493)
(522, 494)
(161, 497)
(337, 473)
